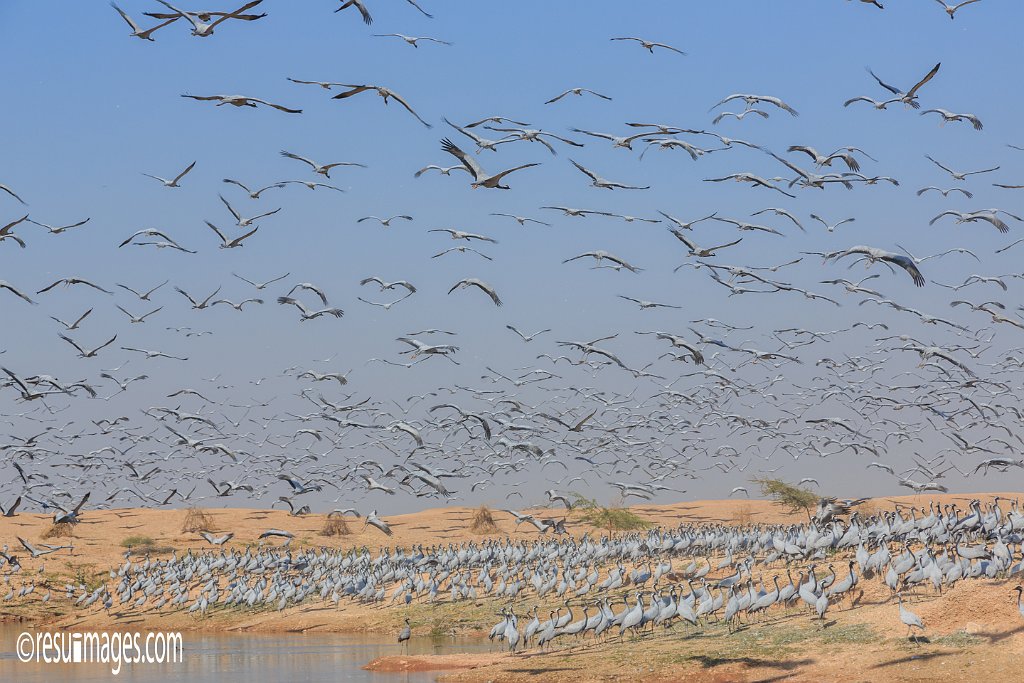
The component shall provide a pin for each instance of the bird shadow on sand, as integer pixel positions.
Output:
(912, 658)
(995, 637)
(709, 662)
(541, 671)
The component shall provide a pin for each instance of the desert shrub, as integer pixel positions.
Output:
(196, 520)
(742, 515)
(62, 530)
(483, 521)
(335, 526)
(143, 544)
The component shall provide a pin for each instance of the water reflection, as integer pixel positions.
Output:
(245, 658)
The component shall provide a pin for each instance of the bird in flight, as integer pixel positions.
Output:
(241, 101)
(650, 45)
(174, 181)
(383, 92)
(480, 177)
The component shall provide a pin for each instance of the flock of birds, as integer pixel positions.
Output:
(709, 397)
(690, 575)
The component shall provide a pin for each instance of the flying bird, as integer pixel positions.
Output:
(384, 93)
(480, 177)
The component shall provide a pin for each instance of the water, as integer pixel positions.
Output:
(243, 658)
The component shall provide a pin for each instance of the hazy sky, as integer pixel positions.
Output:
(89, 109)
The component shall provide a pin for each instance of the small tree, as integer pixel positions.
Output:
(609, 518)
(793, 497)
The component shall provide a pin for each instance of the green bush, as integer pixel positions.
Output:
(610, 518)
(793, 497)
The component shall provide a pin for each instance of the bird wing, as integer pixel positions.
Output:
(238, 240)
(584, 170)
(128, 20)
(487, 289)
(231, 209)
(558, 97)
(183, 173)
(401, 100)
(471, 165)
(234, 15)
(69, 340)
(929, 76)
(219, 234)
(498, 176)
(893, 90)
(290, 155)
(355, 90)
(275, 106)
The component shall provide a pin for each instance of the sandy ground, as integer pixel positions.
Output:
(974, 630)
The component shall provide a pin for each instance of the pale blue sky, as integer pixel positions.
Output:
(90, 108)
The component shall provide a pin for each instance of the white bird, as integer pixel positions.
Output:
(952, 9)
(137, 32)
(598, 181)
(650, 45)
(373, 520)
(909, 97)
(522, 220)
(948, 116)
(216, 540)
(753, 100)
(479, 284)
(831, 227)
(324, 169)
(601, 255)
(261, 285)
(82, 353)
(946, 193)
(443, 170)
(411, 40)
(577, 92)
(460, 235)
(872, 254)
(241, 101)
(960, 175)
(389, 285)
(202, 29)
(990, 216)
(225, 243)
(253, 194)
(480, 177)
(385, 222)
(246, 222)
(383, 92)
(6, 234)
(307, 314)
(527, 337)
(173, 182)
(56, 230)
(738, 116)
(74, 325)
(133, 319)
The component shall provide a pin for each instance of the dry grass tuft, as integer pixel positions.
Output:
(196, 520)
(742, 515)
(62, 530)
(335, 526)
(483, 521)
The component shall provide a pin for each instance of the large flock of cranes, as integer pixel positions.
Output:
(916, 399)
